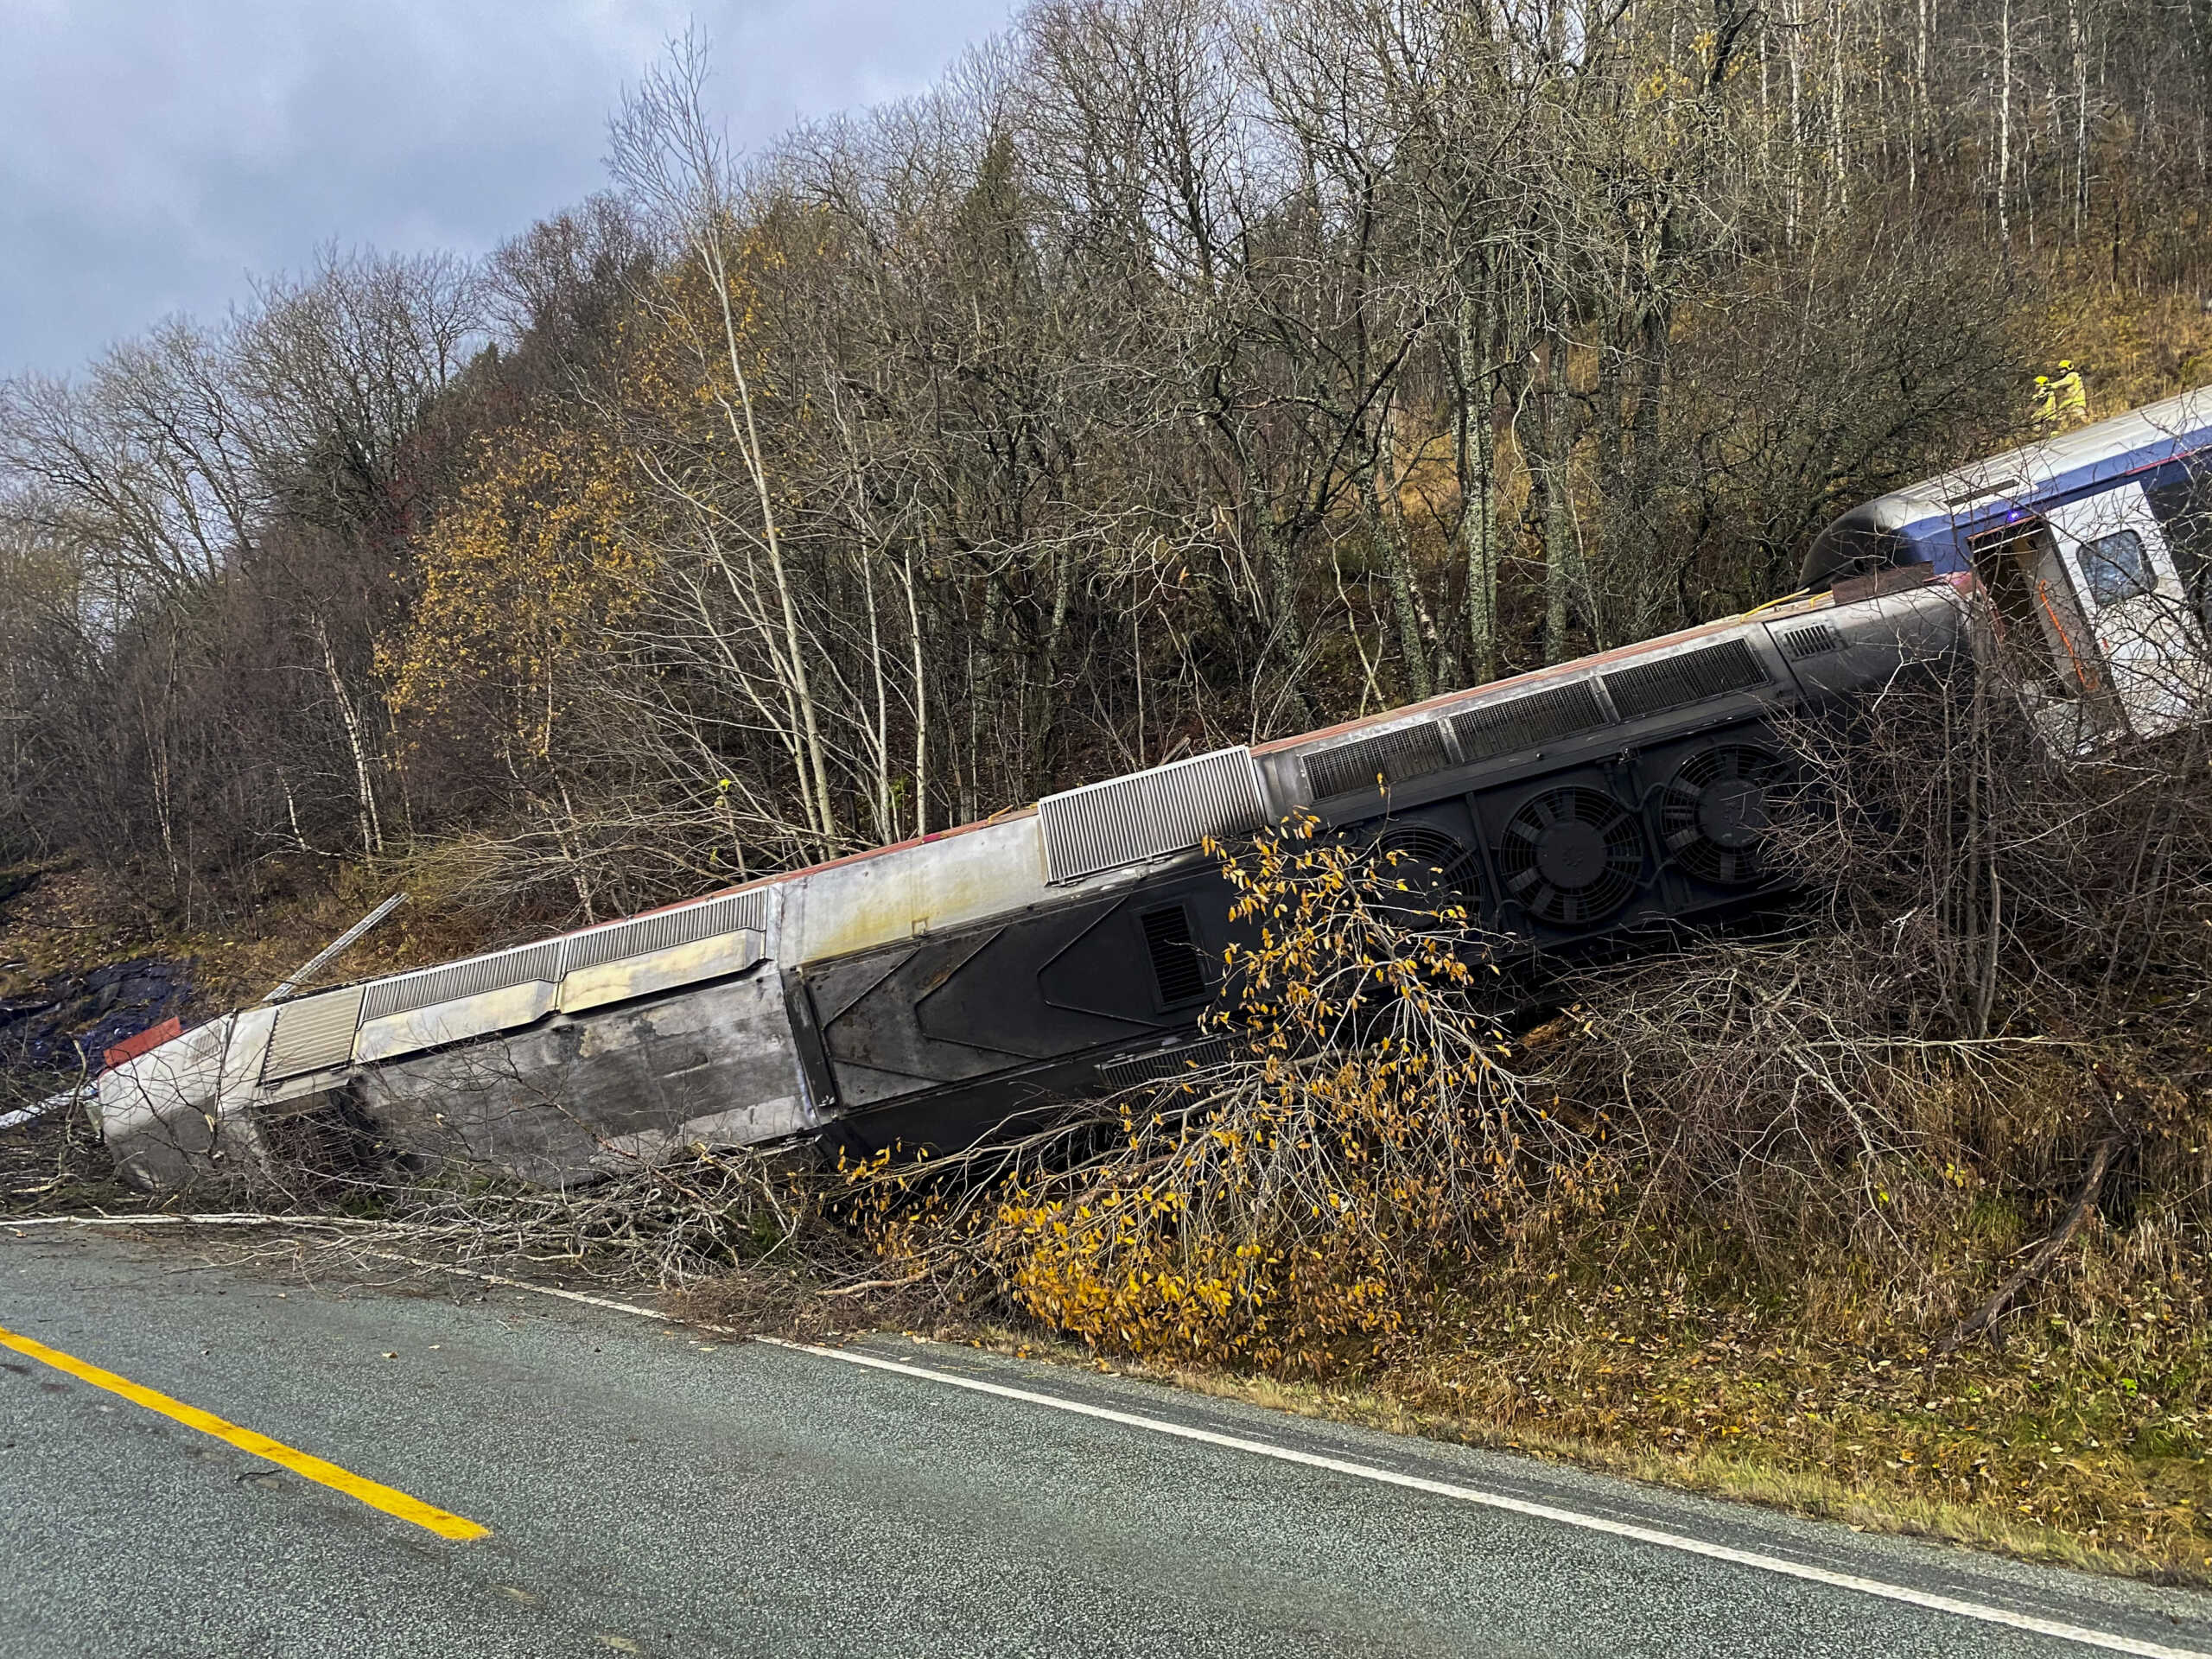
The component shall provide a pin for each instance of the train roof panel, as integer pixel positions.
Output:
(2033, 476)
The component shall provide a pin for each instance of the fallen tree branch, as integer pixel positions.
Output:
(2084, 1201)
(866, 1285)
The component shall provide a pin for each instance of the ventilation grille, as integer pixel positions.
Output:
(1175, 964)
(1814, 639)
(313, 1035)
(1409, 751)
(1494, 728)
(1981, 493)
(1166, 1064)
(522, 966)
(1710, 672)
(1168, 810)
(668, 928)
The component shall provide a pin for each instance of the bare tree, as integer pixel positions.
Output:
(666, 151)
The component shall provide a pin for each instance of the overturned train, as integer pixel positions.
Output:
(923, 993)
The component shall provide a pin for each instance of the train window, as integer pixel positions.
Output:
(2115, 567)
(2182, 503)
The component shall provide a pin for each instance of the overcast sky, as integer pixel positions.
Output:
(154, 153)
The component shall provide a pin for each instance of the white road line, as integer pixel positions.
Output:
(2109, 1641)
(501, 1278)
(241, 1218)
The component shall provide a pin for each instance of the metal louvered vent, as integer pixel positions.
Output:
(1168, 810)
(1175, 964)
(1409, 751)
(1974, 493)
(1490, 730)
(313, 1035)
(523, 965)
(1814, 639)
(668, 928)
(1709, 671)
(1166, 1064)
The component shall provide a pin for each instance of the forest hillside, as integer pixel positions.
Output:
(1174, 374)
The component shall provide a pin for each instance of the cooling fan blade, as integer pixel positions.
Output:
(1437, 869)
(1715, 811)
(1572, 856)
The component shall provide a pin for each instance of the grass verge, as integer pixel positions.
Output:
(2081, 1441)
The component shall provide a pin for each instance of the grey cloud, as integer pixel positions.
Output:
(153, 155)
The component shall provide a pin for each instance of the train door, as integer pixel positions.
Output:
(2063, 684)
(2136, 607)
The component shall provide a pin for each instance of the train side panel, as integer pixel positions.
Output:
(927, 993)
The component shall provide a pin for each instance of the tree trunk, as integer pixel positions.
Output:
(2004, 126)
(1043, 723)
(1286, 636)
(1385, 531)
(1477, 468)
(921, 703)
(372, 822)
(2077, 47)
(1562, 568)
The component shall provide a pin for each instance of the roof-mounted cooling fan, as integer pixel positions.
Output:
(1429, 861)
(1571, 856)
(1715, 812)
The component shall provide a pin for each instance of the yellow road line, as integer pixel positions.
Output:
(376, 1496)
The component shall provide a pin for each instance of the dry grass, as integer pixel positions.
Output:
(64, 921)
(2082, 1442)
(1744, 1472)
(2133, 348)
(73, 916)
(1670, 1354)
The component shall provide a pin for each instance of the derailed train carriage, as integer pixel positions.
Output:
(923, 993)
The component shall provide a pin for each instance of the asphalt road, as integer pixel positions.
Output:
(649, 1491)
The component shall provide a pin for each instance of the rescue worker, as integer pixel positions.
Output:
(2046, 404)
(2072, 402)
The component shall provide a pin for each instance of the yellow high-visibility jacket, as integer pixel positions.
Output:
(2072, 402)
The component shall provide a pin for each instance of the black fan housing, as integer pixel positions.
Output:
(1571, 856)
(1431, 863)
(1715, 811)
(1423, 851)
